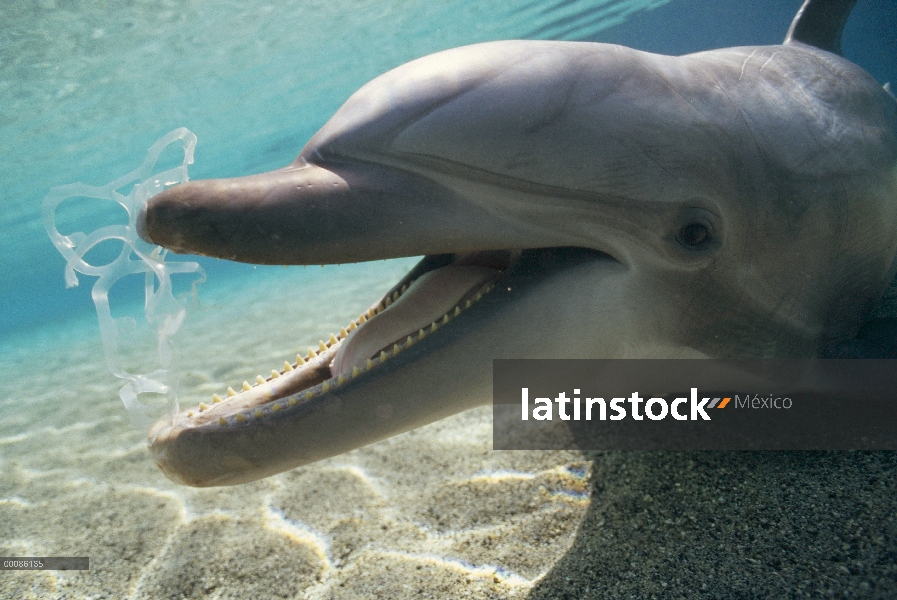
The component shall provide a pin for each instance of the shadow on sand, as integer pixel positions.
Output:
(734, 525)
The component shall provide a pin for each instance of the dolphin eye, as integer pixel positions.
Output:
(694, 235)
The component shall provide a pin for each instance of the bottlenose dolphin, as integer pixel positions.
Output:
(572, 200)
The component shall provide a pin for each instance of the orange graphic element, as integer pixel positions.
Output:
(724, 403)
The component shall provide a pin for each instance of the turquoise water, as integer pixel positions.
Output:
(88, 87)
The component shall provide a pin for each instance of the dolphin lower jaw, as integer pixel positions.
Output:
(311, 409)
(330, 418)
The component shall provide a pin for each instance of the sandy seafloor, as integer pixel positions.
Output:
(434, 513)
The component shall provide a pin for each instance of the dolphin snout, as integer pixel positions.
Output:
(254, 219)
(339, 212)
(141, 226)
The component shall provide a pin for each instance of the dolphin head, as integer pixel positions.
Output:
(572, 200)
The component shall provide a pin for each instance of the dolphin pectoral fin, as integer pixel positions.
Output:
(310, 214)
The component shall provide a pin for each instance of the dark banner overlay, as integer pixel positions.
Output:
(689, 404)
(44, 563)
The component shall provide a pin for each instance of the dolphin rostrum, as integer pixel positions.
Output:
(572, 200)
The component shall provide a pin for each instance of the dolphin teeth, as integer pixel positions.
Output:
(258, 413)
(216, 398)
(222, 421)
(356, 370)
(203, 406)
(189, 413)
(259, 379)
(241, 417)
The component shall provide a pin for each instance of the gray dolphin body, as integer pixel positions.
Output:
(573, 200)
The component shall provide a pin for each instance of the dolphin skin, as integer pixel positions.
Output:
(571, 200)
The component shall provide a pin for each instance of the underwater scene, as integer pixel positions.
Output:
(107, 341)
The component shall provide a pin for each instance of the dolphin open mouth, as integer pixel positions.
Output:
(434, 293)
(385, 372)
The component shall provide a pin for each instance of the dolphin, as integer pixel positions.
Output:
(571, 200)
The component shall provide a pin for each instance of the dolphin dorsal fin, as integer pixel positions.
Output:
(819, 23)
